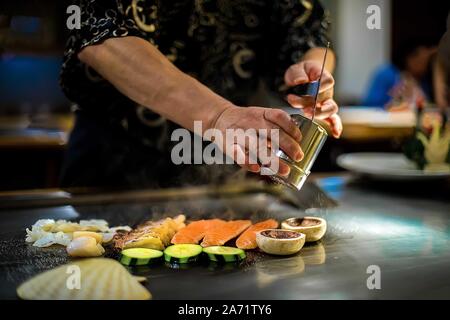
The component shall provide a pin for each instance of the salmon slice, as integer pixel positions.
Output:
(195, 231)
(247, 240)
(219, 235)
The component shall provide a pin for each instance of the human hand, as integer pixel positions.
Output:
(245, 118)
(326, 108)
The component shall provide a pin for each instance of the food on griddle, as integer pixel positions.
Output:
(151, 234)
(195, 231)
(280, 242)
(219, 235)
(84, 247)
(89, 279)
(47, 232)
(44, 239)
(140, 256)
(97, 236)
(224, 254)
(313, 228)
(247, 240)
(182, 253)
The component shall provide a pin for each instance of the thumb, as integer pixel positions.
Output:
(295, 75)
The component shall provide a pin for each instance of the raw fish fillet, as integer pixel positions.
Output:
(219, 235)
(194, 232)
(247, 240)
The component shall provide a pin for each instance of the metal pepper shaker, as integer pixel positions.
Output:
(313, 139)
(313, 136)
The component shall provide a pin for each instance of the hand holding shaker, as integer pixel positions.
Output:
(313, 138)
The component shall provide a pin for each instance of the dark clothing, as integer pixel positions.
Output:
(227, 45)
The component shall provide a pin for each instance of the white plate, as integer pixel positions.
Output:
(377, 118)
(390, 166)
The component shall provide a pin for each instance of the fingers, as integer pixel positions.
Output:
(295, 75)
(335, 123)
(243, 160)
(282, 120)
(324, 110)
(278, 166)
(306, 72)
(313, 69)
(290, 147)
(300, 102)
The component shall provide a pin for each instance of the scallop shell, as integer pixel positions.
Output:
(89, 279)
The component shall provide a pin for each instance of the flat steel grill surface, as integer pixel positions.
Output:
(335, 268)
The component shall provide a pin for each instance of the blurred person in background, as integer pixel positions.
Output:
(408, 81)
(442, 84)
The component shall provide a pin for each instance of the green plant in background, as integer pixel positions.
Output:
(431, 152)
(414, 150)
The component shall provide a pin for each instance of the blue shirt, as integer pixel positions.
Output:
(384, 79)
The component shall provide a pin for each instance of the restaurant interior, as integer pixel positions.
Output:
(36, 117)
(386, 177)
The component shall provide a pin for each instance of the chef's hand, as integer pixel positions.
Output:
(327, 108)
(260, 118)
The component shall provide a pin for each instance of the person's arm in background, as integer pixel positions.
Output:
(444, 66)
(440, 84)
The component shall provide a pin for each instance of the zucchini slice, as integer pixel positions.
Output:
(182, 253)
(224, 254)
(139, 256)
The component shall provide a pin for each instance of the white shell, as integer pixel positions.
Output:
(89, 279)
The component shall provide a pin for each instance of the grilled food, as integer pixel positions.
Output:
(247, 240)
(194, 232)
(224, 254)
(47, 232)
(280, 242)
(140, 256)
(84, 247)
(220, 234)
(182, 253)
(151, 234)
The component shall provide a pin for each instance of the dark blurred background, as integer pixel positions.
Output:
(35, 117)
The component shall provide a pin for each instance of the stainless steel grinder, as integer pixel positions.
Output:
(313, 136)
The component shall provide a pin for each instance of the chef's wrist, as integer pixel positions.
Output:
(219, 110)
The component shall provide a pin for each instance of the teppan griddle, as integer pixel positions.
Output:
(335, 268)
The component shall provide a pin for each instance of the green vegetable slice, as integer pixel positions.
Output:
(139, 256)
(182, 253)
(224, 254)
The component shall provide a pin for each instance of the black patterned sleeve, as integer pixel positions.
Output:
(104, 19)
(101, 20)
(297, 26)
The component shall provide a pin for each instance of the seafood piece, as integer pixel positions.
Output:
(46, 239)
(95, 235)
(47, 232)
(195, 231)
(151, 234)
(99, 279)
(247, 240)
(85, 247)
(219, 235)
